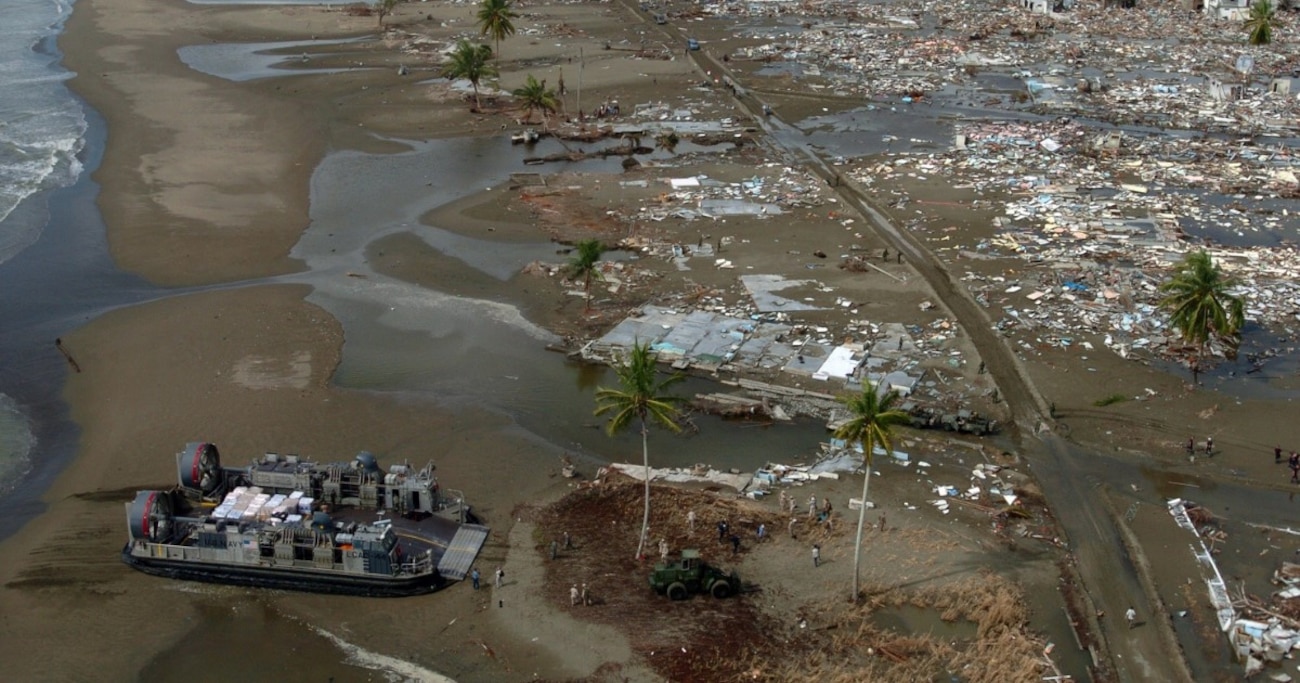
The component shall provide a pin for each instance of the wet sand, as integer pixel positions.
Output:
(207, 181)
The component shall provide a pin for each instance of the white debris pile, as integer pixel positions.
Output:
(985, 487)
(1159, 65)
(697, 474)
(1104, 218)
(699, 196)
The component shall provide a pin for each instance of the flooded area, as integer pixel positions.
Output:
(923, 621)
(1045, 183)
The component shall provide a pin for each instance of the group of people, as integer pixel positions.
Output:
(1293, 461)
(475, 577)
(579, 597)
(1209, 446)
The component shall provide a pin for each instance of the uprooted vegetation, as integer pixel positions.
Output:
(702, 639)
(849, 644)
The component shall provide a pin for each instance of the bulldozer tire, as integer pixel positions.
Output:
(677, 591)
(721, 589)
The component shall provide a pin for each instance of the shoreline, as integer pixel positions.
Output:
(168, 371)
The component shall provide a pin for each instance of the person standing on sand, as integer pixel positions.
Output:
(1209, 445)
(735, 544)
(762, 532)
(817, 556)
(500, 578)
(722, 530)
(1294, 462)
(690, 519)
(473, 577)
(1277, 454)
(663, 549)
(586, 597)
(573, 595)
(1131, 616)
(1191, 446)
(793, 521)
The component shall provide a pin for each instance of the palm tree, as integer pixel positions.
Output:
(1199, 303)
(494, 20)
(583, 266)
(471, 63)
(384, 8)
(1261, 22)
(642, 396)
(535, 96)
(872, 421)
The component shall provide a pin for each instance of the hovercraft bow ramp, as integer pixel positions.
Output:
(462, 550)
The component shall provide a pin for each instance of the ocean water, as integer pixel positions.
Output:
(42, 130)
(42, 125)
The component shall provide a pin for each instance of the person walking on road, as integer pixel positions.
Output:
(1209, 446)
(817, 556)
(1191, 446)
(1294, 462)
(500, 578)
(1131, 616)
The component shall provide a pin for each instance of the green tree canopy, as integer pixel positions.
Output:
(872, 418)
(1199, 303)
(642, 398)
(470, 62)
(583, 265)
(494, 19)
(1261, 22)
(534, 96)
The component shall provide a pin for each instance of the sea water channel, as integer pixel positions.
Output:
(401, 337)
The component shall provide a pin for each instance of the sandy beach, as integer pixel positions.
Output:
(206, 182)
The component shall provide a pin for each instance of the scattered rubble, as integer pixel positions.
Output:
(1102, 229)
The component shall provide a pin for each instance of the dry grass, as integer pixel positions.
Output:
(853, 648)
(702, 639)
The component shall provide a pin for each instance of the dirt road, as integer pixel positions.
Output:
(1111, 581)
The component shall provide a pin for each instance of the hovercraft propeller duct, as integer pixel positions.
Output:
(199, 468)
(150, 518)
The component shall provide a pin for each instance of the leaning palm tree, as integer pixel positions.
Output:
(1200, 305)
(642, 396)
(494, 20)
(534, 96)
(871, 422)
(470, 62)
(1261, 22)
(583, 266)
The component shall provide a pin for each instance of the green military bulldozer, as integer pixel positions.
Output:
(691, 575)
